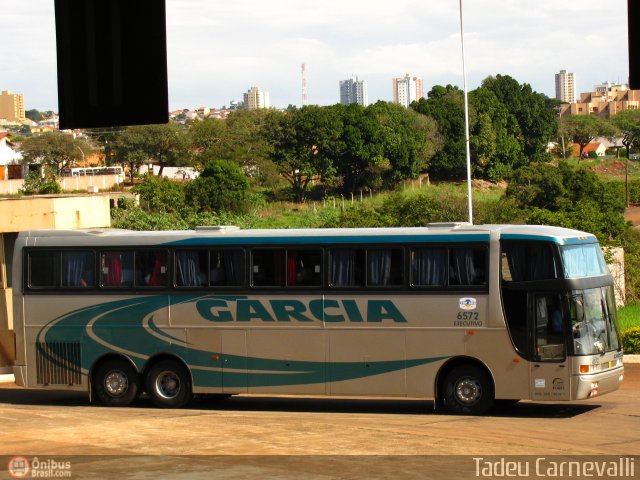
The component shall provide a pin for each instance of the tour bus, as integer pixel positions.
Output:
(467, 315)
(90, 171)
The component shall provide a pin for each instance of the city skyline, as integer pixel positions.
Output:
(213, 47)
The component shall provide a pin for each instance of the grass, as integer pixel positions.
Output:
(629, 316)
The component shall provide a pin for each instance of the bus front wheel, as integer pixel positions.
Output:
(116, 383)
(468, 390)
(168, 384)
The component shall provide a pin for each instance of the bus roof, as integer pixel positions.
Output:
(229, 235)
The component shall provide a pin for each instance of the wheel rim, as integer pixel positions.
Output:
(168, 384)
(116, 383)
(468, 391)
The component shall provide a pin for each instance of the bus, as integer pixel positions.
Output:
(91, 171)
(468, 315)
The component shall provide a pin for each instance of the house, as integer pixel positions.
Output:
(10, 160)
(597, 147)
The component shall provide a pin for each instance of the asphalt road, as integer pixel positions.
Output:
(43, 423)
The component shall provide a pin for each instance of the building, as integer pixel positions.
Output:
(605, 101)
(256, 98)
(407, 89)
(12, 106)
(353, 90)
(566, 86)
(10, 160)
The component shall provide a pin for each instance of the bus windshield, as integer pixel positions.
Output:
(594, 324)
(580, 261)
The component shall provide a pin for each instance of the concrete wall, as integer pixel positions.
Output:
(68, 184)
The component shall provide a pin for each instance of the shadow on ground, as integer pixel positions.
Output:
(11, 394)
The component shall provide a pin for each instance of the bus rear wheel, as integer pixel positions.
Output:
(168, 384)
(116, 383)
(468, 390)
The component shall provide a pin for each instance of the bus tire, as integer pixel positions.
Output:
(468, 390)
(116, 383)
(168, 384)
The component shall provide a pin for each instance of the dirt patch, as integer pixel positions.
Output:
(632, 214)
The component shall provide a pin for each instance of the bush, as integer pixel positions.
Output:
(160, 195)
(36, 184)
(631, 341)
(222, 186)
(630, 241)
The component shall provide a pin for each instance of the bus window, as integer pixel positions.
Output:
(527, 261)
(347, 267)
(191, 268)
(78, 269)
(226, 268)
(44, 269)
(467, 266)
(304, 267)
(429, 267)
(117, 269)
(151, 268)
(549, 328)
(267, 268)
(384, 267)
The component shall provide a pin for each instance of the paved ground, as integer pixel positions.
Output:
(36, 422)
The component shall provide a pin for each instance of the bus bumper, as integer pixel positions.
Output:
(594, 385)
(20, 372)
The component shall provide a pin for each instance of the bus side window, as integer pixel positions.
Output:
(384, 267)
(44, 269)
(267, 268)
(468, 266)
(304, 267)
(151, 268)
(117, 269)
(347, 267)
(226, 268)
(191, 267)
(78, 269)
(429, 267)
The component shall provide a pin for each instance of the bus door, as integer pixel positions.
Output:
(548, 327)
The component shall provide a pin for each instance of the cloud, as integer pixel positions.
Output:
(217, 50)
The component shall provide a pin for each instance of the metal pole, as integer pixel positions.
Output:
(466, 122)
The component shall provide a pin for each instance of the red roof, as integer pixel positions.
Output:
(591, 147)
(3, 134)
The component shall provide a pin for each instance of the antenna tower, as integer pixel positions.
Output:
(304, 85)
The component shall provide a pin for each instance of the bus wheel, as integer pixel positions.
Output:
(468, 391)
(168, 384)
(116, 383)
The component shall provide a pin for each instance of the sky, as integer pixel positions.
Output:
(217, 50)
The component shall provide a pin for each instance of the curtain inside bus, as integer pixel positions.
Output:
(188, 269)
(429, 266)
(77, 269)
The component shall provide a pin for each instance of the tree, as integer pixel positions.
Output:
(409, 140)
(497, 142)
(304, 144)
(445, 105)
(57, 150)
(34, 115)
(582, 129)
(222, 186)
(166, 144)
(628, 124)
(535, 115)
